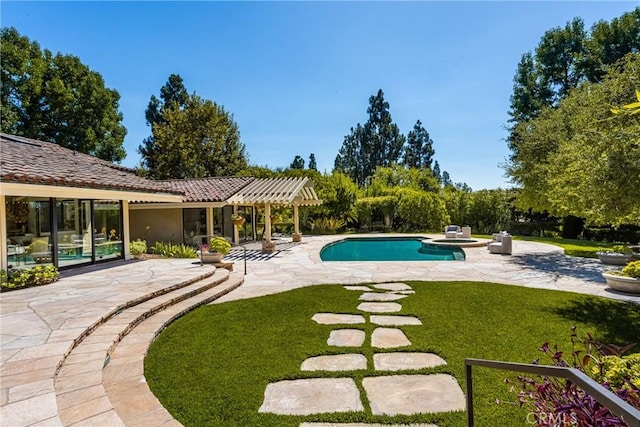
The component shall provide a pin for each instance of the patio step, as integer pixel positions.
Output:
(80, 382)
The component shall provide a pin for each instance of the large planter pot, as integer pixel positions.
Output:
(614, 258)
(211, 257)
(623, 283)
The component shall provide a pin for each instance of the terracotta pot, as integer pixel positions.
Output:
(238, 222)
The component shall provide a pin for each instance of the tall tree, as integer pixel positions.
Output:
(172, 95)
(436, 171)
(312, 162)
(58, 99)
(563, 59)
(298, 163)
(446, 179)
(199, 140)
(377, 143)
(419, 150)
(580, 158)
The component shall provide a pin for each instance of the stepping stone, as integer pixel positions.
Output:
(404, 361)
(405, 292)
(346, 338)
(389, 338)
(337, 319)
(312, 396)
(380, 307)
(363, 425)
(377, 319)
(413, 394)
(393, 286)
(357, 288)
(338, 362)
(378, 296)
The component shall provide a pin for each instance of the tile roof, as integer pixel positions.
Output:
(213, 189)
(28, 161)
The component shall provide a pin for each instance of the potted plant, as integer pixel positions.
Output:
(626, 280)
(618, 255)
(237, 219)
(218, 248)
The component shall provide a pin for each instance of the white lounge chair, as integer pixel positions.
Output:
(451, 231)
(501, 244)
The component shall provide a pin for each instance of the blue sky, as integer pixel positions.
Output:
(298, 75)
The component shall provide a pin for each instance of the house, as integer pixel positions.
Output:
(65, 208)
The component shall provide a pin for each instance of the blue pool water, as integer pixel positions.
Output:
(388, 249)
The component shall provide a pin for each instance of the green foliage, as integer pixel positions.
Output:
(312, 162)
(35, 276)
(191, 137)
(298, 163)
(338, 193)
(385, 179)
(172, 93)
(58, 99)
(617, 370)
(220, 352)
(169, 250)
(566, 57)
(368, 208)
(377, 143)
(458, 203)
(326, 225)
(579, 159)
(489, 211)
(138, 247)
(220, 245)
(630, 109)
(622, 249)
(632, 270)
(419, 151)
(420, 210)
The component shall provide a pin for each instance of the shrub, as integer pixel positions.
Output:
(556, 401)
(622, 249)
(632, 269)
(326, 225)
(220, 245)
(168, 250)
(35, 276)
(137, 248)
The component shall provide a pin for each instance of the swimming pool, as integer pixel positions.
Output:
(389, 249)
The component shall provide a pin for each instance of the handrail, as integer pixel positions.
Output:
(616, 405)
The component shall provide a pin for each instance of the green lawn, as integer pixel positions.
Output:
(572, 247)
(212, 366)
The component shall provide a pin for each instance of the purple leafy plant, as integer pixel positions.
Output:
(557, 402)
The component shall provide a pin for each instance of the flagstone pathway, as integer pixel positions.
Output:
(401, 394)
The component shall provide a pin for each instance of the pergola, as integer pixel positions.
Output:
(267, 192)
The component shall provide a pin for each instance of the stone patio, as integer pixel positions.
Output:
(40, 327)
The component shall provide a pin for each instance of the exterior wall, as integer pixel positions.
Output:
(156, 225)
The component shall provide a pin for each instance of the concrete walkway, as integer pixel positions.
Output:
(39, 327)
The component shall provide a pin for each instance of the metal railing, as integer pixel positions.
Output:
(616, 405)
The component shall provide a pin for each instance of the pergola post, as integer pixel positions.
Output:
(297, 236)
(267, 245)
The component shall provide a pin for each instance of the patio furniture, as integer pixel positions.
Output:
(451, 231)
(466, 232)
(502, 246)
